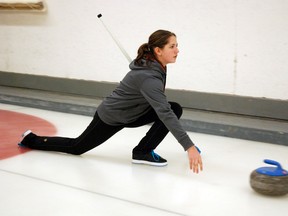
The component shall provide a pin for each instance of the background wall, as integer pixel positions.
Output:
(235, 47)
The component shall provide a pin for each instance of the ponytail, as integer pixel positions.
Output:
(144, 52)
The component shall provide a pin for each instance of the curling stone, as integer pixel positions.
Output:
(271, 181)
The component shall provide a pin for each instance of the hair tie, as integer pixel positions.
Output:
(148, 48)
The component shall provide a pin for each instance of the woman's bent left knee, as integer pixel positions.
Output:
(177, 109)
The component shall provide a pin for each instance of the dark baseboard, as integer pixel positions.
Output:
(223, 103)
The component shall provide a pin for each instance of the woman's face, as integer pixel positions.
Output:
(169, 52)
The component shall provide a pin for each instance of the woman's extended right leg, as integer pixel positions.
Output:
(95, 134)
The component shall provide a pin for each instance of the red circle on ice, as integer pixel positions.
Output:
(13, 125)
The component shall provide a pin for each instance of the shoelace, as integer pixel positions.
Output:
(155, 156)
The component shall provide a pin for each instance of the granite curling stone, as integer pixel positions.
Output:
(272, 181)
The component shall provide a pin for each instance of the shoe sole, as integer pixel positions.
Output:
(23, 136)
(26, 133)
(149, 163)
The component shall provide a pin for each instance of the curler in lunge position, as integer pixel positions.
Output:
(138, 100)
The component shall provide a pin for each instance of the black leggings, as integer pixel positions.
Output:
(98, 132)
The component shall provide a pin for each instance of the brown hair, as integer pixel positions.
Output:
(157, 39)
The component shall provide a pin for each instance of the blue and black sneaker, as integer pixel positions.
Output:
(150, 158)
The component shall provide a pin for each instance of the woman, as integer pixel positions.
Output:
(138, 100)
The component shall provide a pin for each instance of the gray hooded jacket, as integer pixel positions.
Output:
(140, 90)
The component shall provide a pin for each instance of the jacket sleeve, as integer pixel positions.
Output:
(153, 91)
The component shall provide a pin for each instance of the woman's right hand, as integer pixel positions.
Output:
(195, 160)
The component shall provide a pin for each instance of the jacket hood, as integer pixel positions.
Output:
(154, 65)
